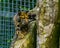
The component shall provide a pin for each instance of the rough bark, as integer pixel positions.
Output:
(46, 11)
(46, 33)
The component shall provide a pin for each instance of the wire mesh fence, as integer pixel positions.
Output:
(8, 8)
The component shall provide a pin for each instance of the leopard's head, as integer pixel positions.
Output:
(23, 21)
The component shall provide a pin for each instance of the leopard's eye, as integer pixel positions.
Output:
(32, 16)
(18, 25)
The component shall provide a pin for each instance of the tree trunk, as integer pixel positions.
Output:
(47, 35)
(47, 27)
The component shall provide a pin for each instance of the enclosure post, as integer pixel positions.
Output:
(47, 35)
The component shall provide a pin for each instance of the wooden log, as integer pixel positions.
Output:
(47, 35)
(47, 29)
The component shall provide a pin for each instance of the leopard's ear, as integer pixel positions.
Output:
(19, 13)
(26, 11)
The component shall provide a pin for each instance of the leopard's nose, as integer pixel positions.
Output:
(18, 29)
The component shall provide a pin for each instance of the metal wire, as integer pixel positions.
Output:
(8, 8)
